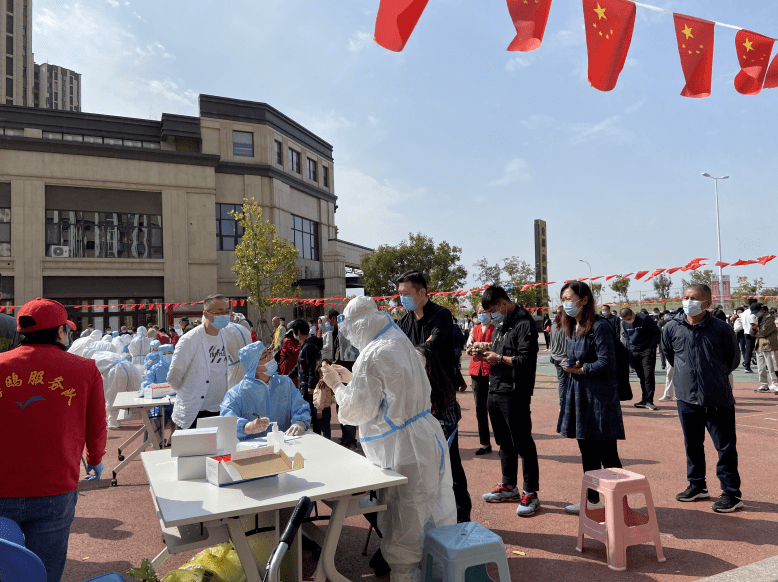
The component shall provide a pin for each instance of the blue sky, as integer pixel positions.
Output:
(457, 138)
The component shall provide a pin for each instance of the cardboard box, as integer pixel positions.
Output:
(192, 442)
(227, 437)
(250, 465)
(157, 391)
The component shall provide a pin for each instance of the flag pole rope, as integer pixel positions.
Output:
(657, 9)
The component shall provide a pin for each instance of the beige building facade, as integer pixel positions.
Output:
(16, 58)
(56, 87)
(117, 211)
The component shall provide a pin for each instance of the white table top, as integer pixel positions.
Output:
(131, 400)
(330, 471)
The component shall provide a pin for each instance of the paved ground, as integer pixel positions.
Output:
(116, 527)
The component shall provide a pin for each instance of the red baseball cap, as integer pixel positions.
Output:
(47, 313)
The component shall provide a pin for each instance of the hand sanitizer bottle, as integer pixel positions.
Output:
(275, 438)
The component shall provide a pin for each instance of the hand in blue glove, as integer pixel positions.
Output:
(98, 469)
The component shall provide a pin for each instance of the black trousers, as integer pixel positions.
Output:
(597, 455)
(461, 496)
(750, 342)
(645, 364)
(480, 395)
(720, 423)
(512, 426)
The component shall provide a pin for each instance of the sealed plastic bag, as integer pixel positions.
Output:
(217, 564)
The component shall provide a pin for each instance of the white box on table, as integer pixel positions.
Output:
(227, 438)
(193, 442)
(157, 391)
(188, 468)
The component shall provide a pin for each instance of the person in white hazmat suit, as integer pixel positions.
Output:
(140, 346)
(79, 345)
(119, 375)
(389, 398)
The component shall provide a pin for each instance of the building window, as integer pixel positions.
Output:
(5, 232)
(71, 89)
(305, 236)
(9, 45)
(311, 170)
(24, 31)
(24, 72)
(9, 24)
(9, 65)
(103, 235)
(325, 176)
(279, 153)
(55, 75)
(112, 141)
(56, 96)
(294, 161)
(24, 51)
(9, 88)
(93, 139)
(228, 232)
(243, 144)
(10, 4)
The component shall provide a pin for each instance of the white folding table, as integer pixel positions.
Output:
(195, 514)
(131, 401)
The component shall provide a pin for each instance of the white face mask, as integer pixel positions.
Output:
(692, 308)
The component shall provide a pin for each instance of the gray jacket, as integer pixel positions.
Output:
(702, 356)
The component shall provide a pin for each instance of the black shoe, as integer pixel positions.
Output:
(693, 493)
(379, 565)
(651, 406)
(762, 389)
(727, 503)
(484, 450)
(641, 405)
(748, 371)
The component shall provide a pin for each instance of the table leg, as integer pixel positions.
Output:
(326, 568)
(241, 543)
(149, 428)
(128, 441)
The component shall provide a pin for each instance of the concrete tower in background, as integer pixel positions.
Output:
(16, 59)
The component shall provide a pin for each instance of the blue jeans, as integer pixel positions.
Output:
(720, 423)
(45, 522)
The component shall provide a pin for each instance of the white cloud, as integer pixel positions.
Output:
(121, 75)
(359, 41)
(370, 211)
(138, 16)
(516, 170)
(516, 63)
(635, 106)
(114, 3)
(373, 120)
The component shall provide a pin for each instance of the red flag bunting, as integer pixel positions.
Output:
(721, 264)
(395, 22)
(609, 277)
(529, 19)
(640, 274)
(627, 275)
(673, 270)
(695, 46)
(753, 54)
(764, 260)
(771, 80)
(741, 263)
(609, 25)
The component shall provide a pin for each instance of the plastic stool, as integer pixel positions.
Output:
(618, 526)
(462, 546)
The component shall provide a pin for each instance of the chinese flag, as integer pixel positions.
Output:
(609, 25)
(695, 45)
(771, 80)
(396, 21)
(753, 53)
(529, 18)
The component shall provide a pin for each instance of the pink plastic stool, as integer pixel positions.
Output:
(618, 526)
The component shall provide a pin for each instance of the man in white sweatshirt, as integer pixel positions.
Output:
(205, 364)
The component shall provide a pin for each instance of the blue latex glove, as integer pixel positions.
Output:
(98, 469)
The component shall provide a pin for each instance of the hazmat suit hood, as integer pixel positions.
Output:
(114, 334)
(122, 342)
(107, 337)
(362, 322)
(96, 335)
(249, 357)
(142, 331)
(155, 344)
(119, 375)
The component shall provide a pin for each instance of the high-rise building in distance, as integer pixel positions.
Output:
(16, 59)
(57, 88)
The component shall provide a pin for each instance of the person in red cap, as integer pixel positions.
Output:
(51, 405)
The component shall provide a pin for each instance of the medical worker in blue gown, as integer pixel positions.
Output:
(389, 398)
(272, 397)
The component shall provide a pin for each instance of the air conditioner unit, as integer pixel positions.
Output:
(59, 251)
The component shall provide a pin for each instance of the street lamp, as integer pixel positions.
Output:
(590, 269)
(718, 230)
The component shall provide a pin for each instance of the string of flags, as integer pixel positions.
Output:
(609, 25)
(338, 301)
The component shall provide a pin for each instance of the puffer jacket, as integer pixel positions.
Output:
(767, 336)
(702, 356)
(190, 374)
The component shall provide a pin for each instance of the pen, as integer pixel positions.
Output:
(256, 415)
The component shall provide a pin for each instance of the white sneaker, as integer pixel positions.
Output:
(665, 399)
(114, 424)
(575, 508)
(773, 387)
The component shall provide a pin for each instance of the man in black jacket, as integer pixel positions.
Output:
(428, 324)
(306, 366)
(643, 336)
(513, 358)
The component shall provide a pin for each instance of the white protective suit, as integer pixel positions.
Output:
(122, 343)
(119, 375)
(79, 345)
(140, 346)
(389, 398)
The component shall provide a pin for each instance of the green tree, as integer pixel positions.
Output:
(749, 289)
(440, 264)
(662, 285)
(265, 264)
(596, 291)
(698, 277)
(519, 273)
(621, 286)
(488, 274)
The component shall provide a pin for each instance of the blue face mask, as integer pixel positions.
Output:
(167, 358)
(498, 317)
(408, 303)
(271, 367)
(328, 327)
(221, 321)
(571, 309)
(484, 318)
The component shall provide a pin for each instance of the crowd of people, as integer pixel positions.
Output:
(393, 381)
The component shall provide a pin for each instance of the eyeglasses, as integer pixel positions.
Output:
(218, 313)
